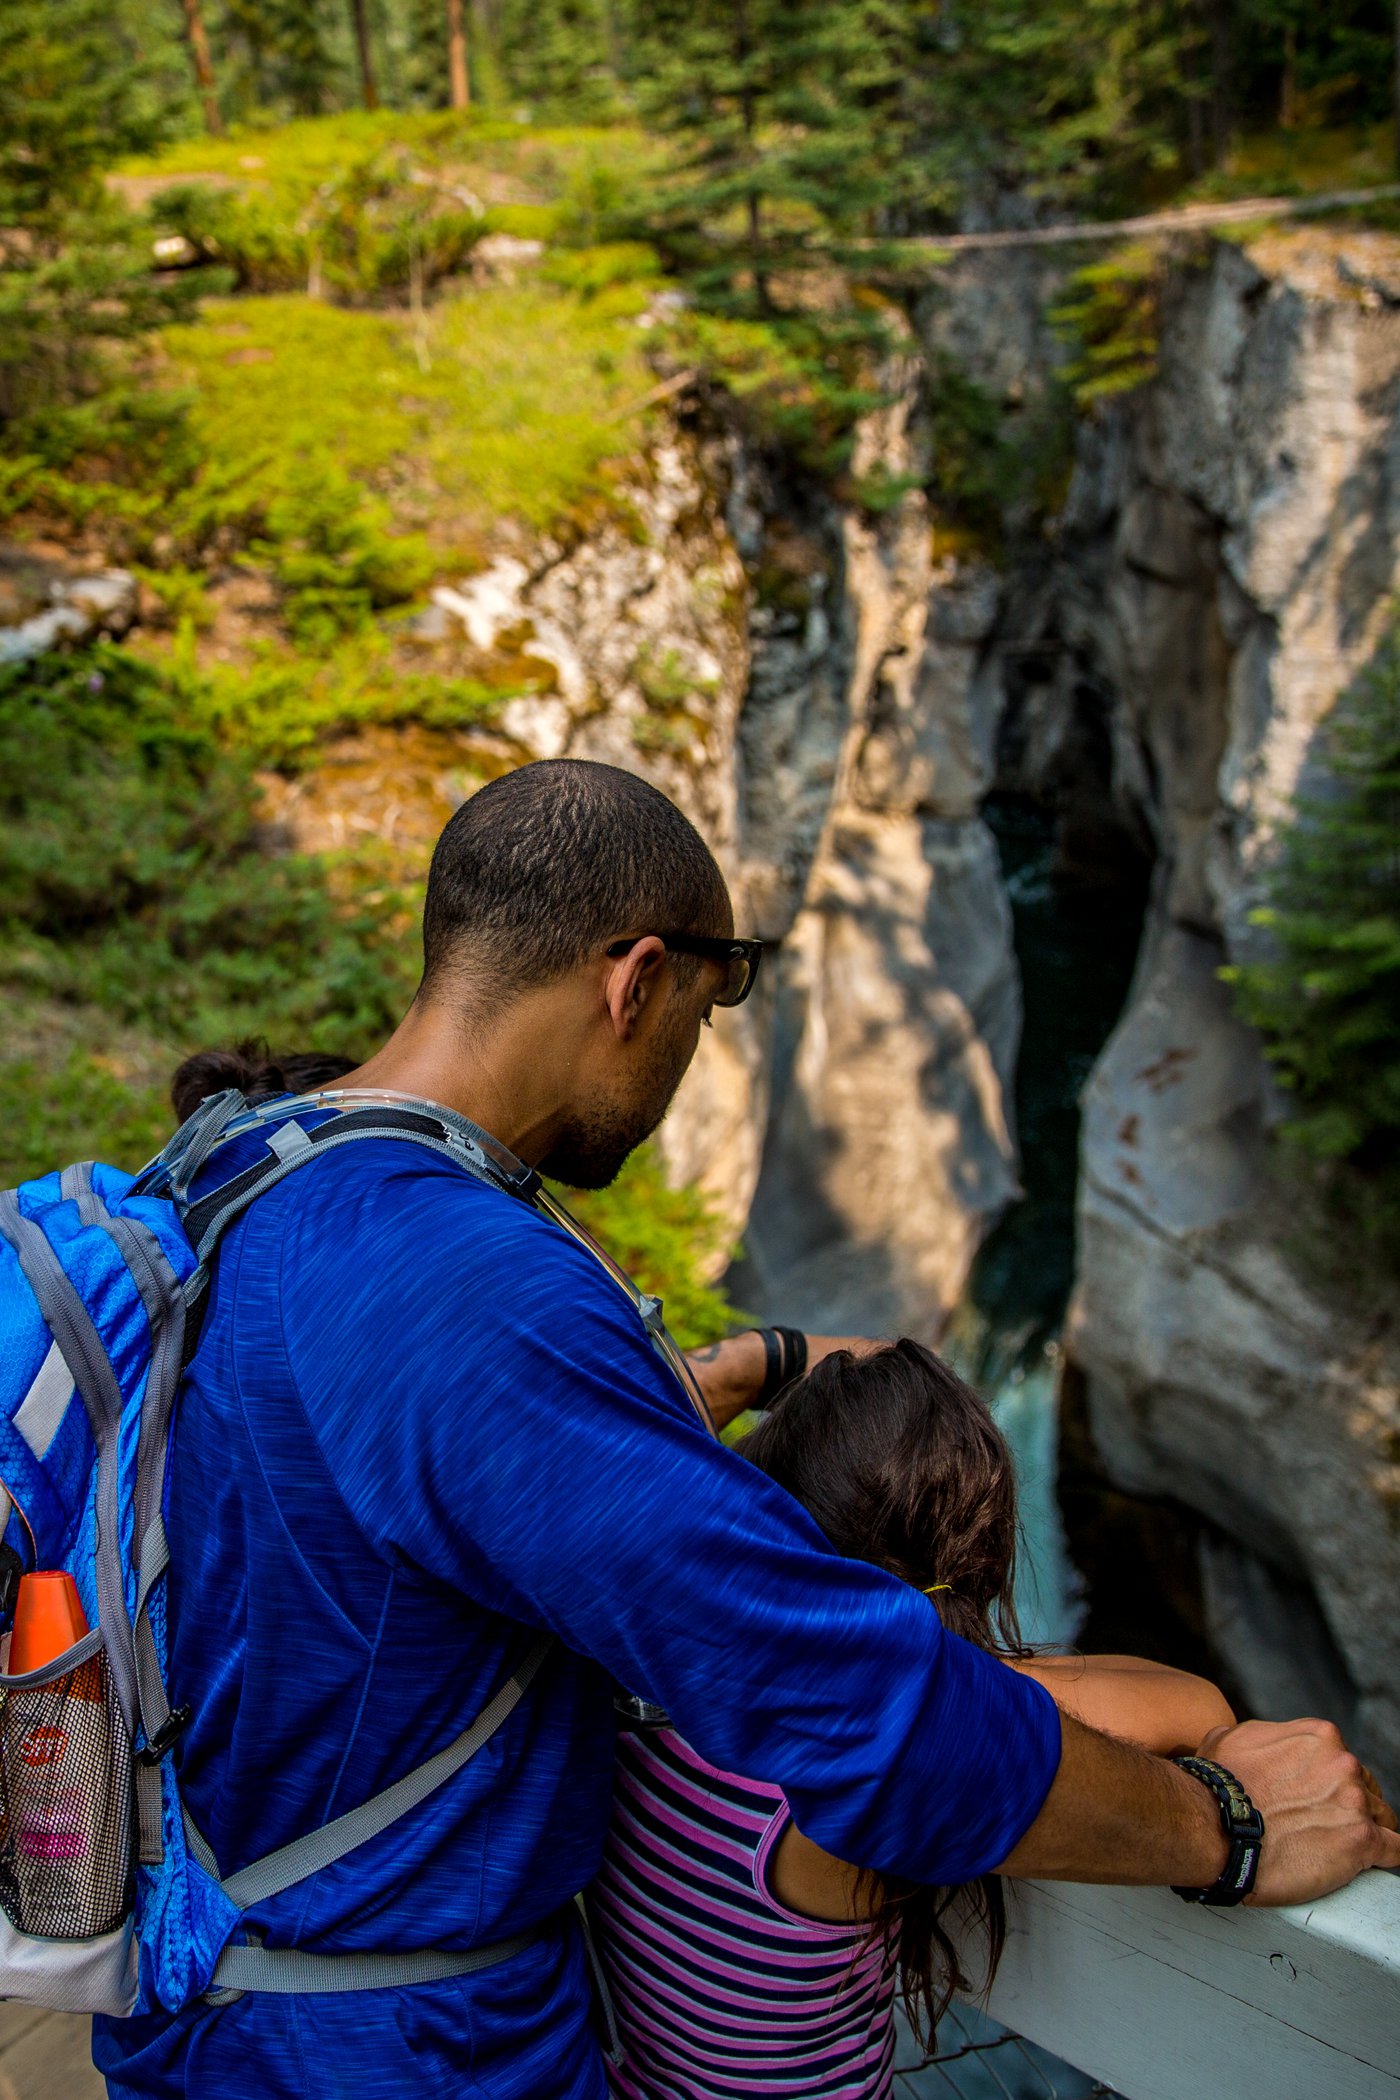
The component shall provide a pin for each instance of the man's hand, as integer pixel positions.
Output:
(1116, 1814)
(1324, 1816)
(730, 1373)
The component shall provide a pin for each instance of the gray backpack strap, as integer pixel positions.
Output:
(71, 1325)
(305, 1856)
(289, 1971)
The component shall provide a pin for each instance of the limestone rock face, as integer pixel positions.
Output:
(888, 1151)
(803, 682)
(1229, 554)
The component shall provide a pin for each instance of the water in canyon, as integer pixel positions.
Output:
(1076, 932)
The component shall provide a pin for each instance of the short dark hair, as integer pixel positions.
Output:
(546, 864)
(257, 1072)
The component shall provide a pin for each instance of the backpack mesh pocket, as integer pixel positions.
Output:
(65, 1804)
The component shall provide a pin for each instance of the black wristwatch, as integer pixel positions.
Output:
(1243, 1827)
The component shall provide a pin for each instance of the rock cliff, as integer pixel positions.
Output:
(1227, 559)
(801, 678)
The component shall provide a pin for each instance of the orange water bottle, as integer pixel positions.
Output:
(48, 1620)
(59, 1768)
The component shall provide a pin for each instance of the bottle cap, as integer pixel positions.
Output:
(48, 1620)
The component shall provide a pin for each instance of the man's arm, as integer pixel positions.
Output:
(1116, 1814)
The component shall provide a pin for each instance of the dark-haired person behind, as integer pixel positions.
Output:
(256, 1073)
(422, 1425)
(743, 1958)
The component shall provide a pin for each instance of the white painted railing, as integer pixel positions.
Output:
(1167, 2001)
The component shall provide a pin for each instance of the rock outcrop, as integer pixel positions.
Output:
(1228, 559)
(45, 604)
(803, 681)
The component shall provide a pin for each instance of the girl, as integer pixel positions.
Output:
(742, 1958)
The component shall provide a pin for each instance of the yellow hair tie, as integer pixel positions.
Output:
(935, 1586)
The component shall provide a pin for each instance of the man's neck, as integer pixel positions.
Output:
(498, 1079)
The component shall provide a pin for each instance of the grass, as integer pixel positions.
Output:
(345, 450)
(1310, 160)
(500, 404)
(572, 177)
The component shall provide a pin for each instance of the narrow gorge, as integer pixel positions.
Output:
(981, 800)
(843, 700)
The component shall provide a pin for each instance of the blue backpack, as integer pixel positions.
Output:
(110, 1900)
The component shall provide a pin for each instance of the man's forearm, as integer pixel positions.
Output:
(730, 1373)
(1114, 1813)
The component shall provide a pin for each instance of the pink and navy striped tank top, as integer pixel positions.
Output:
(721, 1993)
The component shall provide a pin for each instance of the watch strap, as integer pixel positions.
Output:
(1243, 1828)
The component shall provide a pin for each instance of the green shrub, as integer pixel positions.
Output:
(279, 705)
(668, 1240)
(1111, 319)
(1328, 999)
(133, 876)
(76, 1109)
(803, 381)
(331, 551)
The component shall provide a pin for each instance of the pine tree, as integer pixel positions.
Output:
(285, 52)
(561, 59)
(459, 86)
(369, 91)
(1328, 1000)
(75, 268)
(788, 115)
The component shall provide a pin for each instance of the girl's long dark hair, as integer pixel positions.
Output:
(900, 1464)
(255, 1072)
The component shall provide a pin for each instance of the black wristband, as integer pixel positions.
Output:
(1243, 1826)
(794, 1343)
(785, 1358)
(773, 1354)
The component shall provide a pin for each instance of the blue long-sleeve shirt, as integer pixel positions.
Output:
(421, 1425)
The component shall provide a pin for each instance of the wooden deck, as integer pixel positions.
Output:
(46, 2056)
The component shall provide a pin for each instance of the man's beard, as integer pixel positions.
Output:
(590, 1152)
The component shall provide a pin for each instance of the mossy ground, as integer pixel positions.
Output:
(289, 473)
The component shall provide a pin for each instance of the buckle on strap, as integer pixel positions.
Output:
(166, 1736)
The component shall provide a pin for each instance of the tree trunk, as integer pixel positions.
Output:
(458, 80)
(1222, 110)
(369, 93)
(1288, 82)
(203, 65)
(743, 51)
(1397, 83)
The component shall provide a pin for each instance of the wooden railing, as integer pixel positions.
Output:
(1167, 2001)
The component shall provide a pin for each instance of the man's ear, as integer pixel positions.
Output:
(631, 981)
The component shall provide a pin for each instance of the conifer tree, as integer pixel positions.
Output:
(789, 117)
(1328, 999)
(369, 90)
(75, 269)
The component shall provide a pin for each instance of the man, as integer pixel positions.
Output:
(422, 1424)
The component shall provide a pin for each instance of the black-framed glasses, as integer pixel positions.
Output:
(739, 959)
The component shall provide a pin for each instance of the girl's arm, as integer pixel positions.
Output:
(1166, 1711)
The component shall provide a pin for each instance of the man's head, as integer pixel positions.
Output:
(533, 881)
